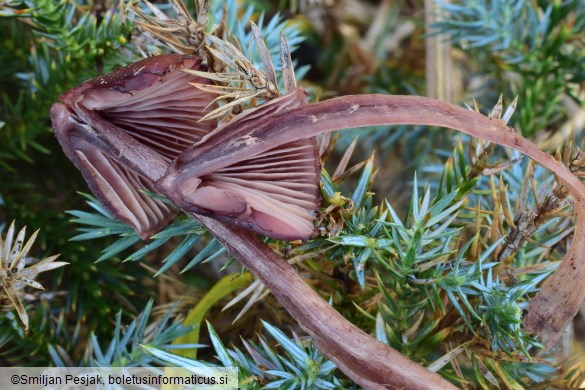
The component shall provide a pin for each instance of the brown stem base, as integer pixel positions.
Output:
(366, 361)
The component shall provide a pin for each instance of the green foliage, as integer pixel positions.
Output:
(442, 270)
(531, 45)
(300, 366)
(20, 349)
(52, 57)
(125, 348)
(101, 224)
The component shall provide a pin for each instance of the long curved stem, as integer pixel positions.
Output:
(562, 294)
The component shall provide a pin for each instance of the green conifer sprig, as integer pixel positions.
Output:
(300, 365)
(533, 46)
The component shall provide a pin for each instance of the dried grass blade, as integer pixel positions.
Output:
(344, 160)
(264, 55)
(288, 72)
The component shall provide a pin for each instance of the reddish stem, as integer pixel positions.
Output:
(366, 361)
(562, 294)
